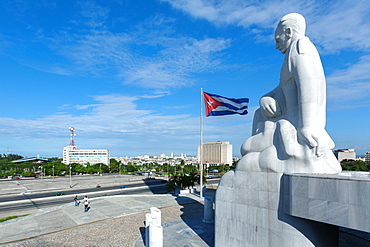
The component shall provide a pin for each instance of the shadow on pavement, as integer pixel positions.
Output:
(142, 232)
(72, 186)
(191, 227)
(156, 185)
(30, 199)
(189, 231)
(192, 216)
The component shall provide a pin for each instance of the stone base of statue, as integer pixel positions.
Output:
(250, 212)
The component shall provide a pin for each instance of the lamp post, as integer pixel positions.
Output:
(53, 171)
(70, 176)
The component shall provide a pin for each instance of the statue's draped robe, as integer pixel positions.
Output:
(275, 144)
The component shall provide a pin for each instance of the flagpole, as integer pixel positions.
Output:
(201, 145)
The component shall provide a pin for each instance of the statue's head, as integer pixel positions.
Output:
(291, 27)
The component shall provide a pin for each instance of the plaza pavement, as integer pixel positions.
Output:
(34, 185)
(186, 231)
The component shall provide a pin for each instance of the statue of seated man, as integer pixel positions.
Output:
(288, 133)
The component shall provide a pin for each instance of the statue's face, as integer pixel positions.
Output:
(282, 38)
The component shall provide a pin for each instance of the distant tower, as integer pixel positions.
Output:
(72, 131)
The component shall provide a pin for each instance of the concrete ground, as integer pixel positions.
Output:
(119, 221)
(33, 185)
(111, 221)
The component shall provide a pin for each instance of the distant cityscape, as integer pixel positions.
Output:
(219, 152)
(213, 153)
(350, 154)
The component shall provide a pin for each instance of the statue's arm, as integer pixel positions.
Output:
(310, 87)
(269, 103)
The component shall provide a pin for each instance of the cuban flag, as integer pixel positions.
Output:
(217, 105)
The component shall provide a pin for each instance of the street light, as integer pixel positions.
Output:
(53, 171)
(70, 176)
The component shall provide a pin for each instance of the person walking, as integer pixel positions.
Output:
(86, 204)
(77, 202)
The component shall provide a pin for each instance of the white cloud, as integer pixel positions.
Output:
(351, 84)
(171, 62)
(332, 25)
(174, 65)
(341, 25)
(114, 116)
(95, 15)
(240, 12)
(116, 122)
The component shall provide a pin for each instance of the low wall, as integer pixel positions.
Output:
(342, 199)
(250, 212)
(294, 210)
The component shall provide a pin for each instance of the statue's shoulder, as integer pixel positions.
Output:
(305, 46)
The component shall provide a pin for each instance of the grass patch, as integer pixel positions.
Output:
(12, 217)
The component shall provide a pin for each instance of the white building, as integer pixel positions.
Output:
(367, 156)
(71, 154)
(216, 153)
(162, 159)
(345, 154)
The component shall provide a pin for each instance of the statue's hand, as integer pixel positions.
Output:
(270, 107)
(313, 137)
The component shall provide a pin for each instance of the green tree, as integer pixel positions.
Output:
(114, 165)
(190, 168)
(354, 165)
(131, 167)
(183, 181)
(80, 168)
(10, 157)
(233, 166)
(90, 169)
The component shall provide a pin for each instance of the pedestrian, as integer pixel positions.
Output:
(77, 202)
(87, 203)
(86, 198)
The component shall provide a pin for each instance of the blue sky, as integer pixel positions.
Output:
(127, 74)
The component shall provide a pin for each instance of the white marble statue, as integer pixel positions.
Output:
(288, 132)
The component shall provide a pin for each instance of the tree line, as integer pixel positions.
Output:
(56, 168)
(355, 165)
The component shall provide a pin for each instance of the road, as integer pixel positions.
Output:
(27, 202)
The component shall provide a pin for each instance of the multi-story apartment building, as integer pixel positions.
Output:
(71, 154)
(216, 153)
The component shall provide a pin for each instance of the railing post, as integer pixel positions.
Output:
(208, 210)
(153, 228)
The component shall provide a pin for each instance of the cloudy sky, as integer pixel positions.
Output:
(127, 74)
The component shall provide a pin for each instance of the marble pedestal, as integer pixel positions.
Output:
(250, 212)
